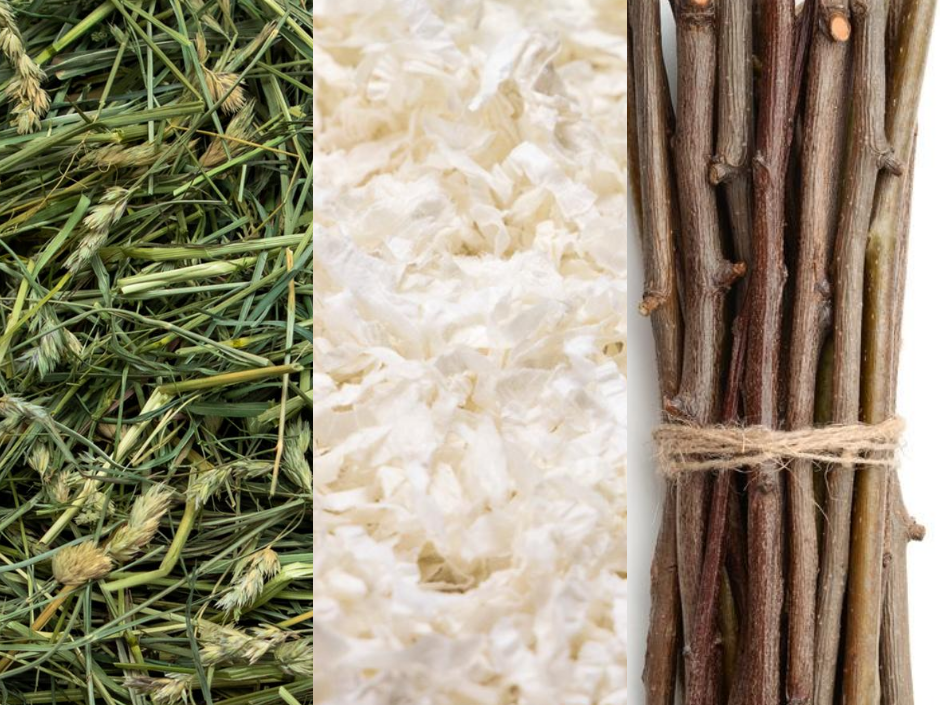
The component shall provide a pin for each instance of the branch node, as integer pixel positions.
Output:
(652, 300)
(729, 273)
(915, 531)
(890, 163)
(721, 171)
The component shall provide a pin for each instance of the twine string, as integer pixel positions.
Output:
(684, 448)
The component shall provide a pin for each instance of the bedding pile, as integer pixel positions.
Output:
(469, 422)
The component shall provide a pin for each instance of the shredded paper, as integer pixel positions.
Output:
(469, 394)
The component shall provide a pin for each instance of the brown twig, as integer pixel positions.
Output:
(633, 136)
(653, 114)
(760, 672)
(884, 298)
(707, 275)
(823, 129)
(731, 164)
(868, 154)
(702, 664)
(897, 684)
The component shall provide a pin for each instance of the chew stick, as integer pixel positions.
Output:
(868, 154)
(883, 304)
(760, 672)
(823, 139)
(652, 110)
(707, 277)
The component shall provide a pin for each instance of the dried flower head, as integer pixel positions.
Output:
(204, 485)
(295, 657)
(40, 460)
(116, 156)
(142, 524)
(224, 86)
(25, 91)
(50, 348)
(95, 506)
(80, 564)
(297, 455)
(246, 589)
(16, 411)
(172, 688)
(239, 131)
(219, 644)
(98, 224)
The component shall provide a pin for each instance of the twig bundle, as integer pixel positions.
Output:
(773, 211)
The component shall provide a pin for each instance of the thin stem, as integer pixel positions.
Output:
(897, 684)
(735, 125)
(760, 674)
(652, 110)
(884, 299)
(43, 618)
(707, 278)
(702, 668)
(868, 154)
(824, 121)
(128, 580)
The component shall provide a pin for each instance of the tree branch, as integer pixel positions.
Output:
(868, 154)
(707, 277)
(653, 110)
(730, 165)
(883, 305)
(824, 120)
(760, 674)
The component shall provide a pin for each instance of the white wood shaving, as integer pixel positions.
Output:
(469, 386)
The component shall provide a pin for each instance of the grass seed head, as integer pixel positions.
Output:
(95, 506)
(97, 224)
(295, 657)
(142, 524)
(297, 455)
(60, 489)
(224, 84)
(239, 130)
(80, 564)
(172, 688)
(16, 411)
(263, 565)
(116, 156)
(25, 89)
(40, 460)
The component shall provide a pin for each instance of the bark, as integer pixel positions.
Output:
(883, 299)
(731, 165)
(822, 154)
(707, 276)
(760, 671)
(703, 666)
(653, 114)
(897, 684)
(652, 111)
(868, 154)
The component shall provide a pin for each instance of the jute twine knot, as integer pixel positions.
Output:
(684, 448)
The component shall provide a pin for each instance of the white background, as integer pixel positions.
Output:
(917, 401)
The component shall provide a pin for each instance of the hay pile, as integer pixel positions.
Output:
(155, 352)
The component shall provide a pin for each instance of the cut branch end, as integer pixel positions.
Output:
(839, 28)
